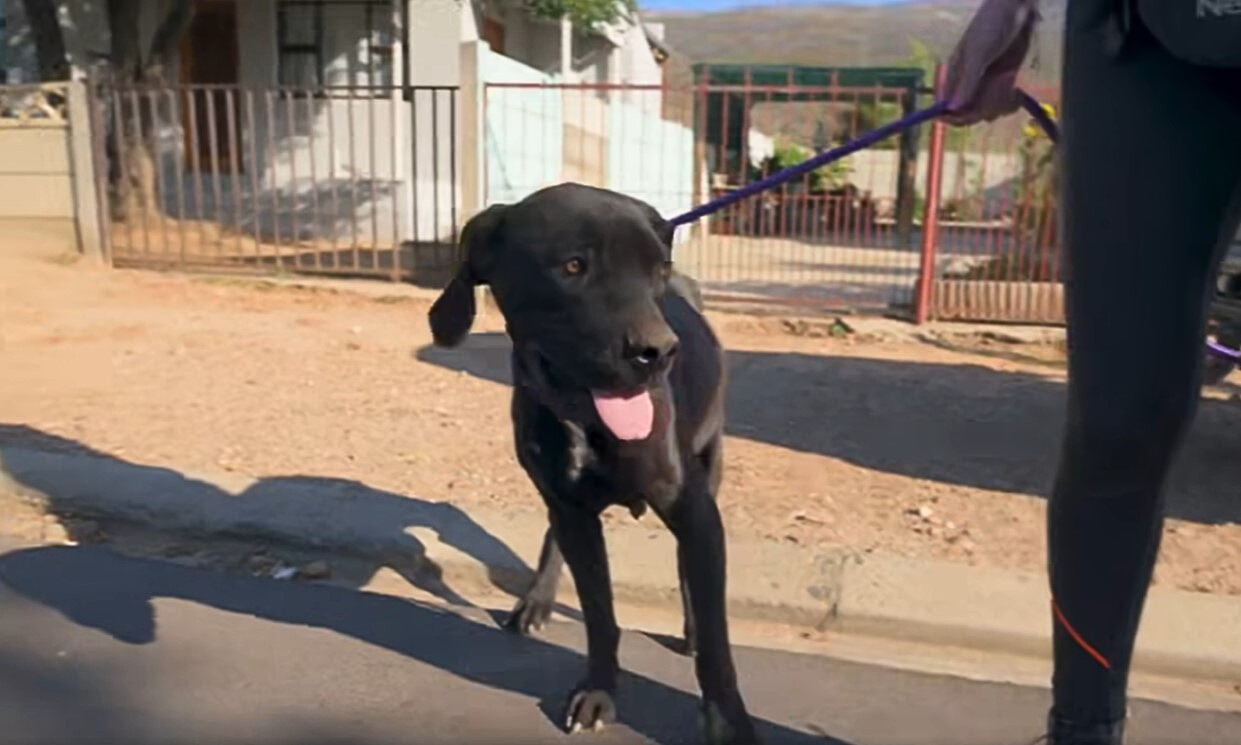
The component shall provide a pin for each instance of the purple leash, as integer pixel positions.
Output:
(922, 116)
(1225, 353)
(806, 166)
(873, 137)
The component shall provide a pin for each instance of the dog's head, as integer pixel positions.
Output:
(578, 274)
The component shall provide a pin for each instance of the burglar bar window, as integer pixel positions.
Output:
(336, 43)
(379, 43)
(299, 32)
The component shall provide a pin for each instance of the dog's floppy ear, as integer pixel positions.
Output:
(453, 312)
(664, 229)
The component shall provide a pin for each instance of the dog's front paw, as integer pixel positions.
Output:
(531, 612)
(688, 645)
(589, 708)
(733, 727)
(685, 646)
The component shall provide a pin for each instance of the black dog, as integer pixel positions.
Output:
(617, 400)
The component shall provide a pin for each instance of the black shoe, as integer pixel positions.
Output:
(1063, 732)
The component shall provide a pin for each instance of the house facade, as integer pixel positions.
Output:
(309, 121)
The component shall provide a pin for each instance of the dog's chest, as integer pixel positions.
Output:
(580, 462)
(607, 472)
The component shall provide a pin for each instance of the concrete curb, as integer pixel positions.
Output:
(1184, 634)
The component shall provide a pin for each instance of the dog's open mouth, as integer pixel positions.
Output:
(630, 415)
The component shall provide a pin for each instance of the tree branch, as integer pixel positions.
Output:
(583, 14)
(49, 39)
(123, 27)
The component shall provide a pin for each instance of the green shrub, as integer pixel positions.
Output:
(786, 155)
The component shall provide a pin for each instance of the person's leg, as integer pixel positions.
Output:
(1151, 188)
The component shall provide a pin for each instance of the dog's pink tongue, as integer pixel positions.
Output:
(629, 417)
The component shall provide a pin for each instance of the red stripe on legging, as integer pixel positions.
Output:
(1055, 607)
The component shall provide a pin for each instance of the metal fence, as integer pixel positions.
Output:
(364, 182)
(823, 241)
(851, 236)
(840, 237)
(994, 251)
(341, 181)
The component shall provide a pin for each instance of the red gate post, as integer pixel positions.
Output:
(930, 211)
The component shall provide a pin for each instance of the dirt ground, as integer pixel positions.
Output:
(917, 449)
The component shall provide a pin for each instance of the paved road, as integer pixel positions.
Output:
(99, 648)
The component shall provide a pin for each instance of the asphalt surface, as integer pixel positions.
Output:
(99, 648)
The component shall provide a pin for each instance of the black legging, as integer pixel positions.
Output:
(1152, 194)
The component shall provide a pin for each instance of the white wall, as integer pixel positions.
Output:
(36, 170)
(535, 137)
(964, 174)
(530, 41)
(523, 131)
(621, 56)
(437, 28)
(637, 63)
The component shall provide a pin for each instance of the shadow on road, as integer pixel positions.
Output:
(376, 514)
(74, 583)
(955, 423)
(115, 596)
(34, 697)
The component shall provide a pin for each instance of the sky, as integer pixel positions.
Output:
(726, 4)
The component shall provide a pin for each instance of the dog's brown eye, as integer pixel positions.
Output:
(574, 267)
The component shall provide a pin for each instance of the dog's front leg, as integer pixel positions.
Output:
(579, 533)
(689, 634)
(535, 607)
(695, 521)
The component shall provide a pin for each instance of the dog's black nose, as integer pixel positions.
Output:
(649, 353)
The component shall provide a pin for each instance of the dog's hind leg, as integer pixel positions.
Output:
(689, 639)
(535, 607)
(711, 459)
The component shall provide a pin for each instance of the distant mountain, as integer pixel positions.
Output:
(835, 34)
